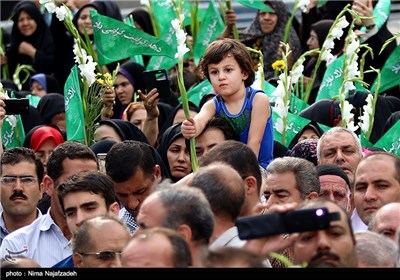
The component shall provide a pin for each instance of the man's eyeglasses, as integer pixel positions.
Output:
(12, 180)
(104, 255)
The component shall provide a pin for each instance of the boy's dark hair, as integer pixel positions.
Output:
(16, 155)
(219, 49)
(71, 150)
(88, 181)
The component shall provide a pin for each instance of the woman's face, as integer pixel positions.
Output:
(179, 159)
(180, 116)
(26, 25)
(138, 117)
(37, 89)
(104, 132)
(59, 120)
(268, 20)
(312, 41)
(308, 133)
(84, 21)
(123, 89)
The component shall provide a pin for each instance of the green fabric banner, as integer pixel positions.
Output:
(390, 141)
(295, 124)
(210, 28)
(196, 93)
(13, 133)
(332, 81)
(33, 100)
(75, 121)
(164, 12)
(255, 4)
(116, 40)
(390, 76)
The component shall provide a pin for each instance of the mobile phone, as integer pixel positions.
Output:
(157, 79)
(292, 221)
(16, 106)
(101, 157)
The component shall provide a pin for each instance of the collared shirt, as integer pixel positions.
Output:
(3, 230)
(129, 219)
(356, 223)
(229, 238)
(42, 241)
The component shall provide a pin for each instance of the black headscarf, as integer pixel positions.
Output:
(126, 130)
(50, 105)
(41, 39)
(313, 125)
(169, 136)
(271, 41)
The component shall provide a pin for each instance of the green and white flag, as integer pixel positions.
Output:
(210, 28)
(116, 40)
(75, 121)
(164, 13)
(294, 125)
(332, 81)
(255, 4)
(390, 72)
(390, 141)
(196, 93)
(13, 133)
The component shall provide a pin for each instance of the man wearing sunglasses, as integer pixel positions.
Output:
(20, 176)
(92, 248)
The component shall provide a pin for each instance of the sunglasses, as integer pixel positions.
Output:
(107, 255)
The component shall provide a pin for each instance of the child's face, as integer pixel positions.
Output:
(226, 76)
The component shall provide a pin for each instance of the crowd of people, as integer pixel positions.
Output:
(147, 204)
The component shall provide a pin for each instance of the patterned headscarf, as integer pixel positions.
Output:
(271, 41)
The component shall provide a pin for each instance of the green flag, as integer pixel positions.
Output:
(297, 105)
(196, 93)
(295, 124)
(390, 76)
(75, 121)
(210, 28)
(13, 133)
(255, 4)
(332, 80)
(33, 100)
(116, 40)
(390, 141)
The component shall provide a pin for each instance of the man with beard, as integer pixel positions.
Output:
(21, 174)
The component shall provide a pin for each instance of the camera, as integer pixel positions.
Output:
(16, 106)
(157, 79)
(292, 221)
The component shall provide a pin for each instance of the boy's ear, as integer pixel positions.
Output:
(245, 75)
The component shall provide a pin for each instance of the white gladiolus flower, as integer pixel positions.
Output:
(61, 12)
(182, 50)
(180, 37)
(88, 70)
(280, 108)
(145, 2)
(50, 7)
(349, 86)
(342, 23)
(297, 73)
(351, 126)
(327, 56)
(279, 125)
(303, 5)
(353, 46)
(346, 111)
(368, 112)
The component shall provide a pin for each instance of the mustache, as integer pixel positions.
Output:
(18, 195)
(321, 254)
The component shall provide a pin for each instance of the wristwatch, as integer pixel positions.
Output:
(369, 27)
